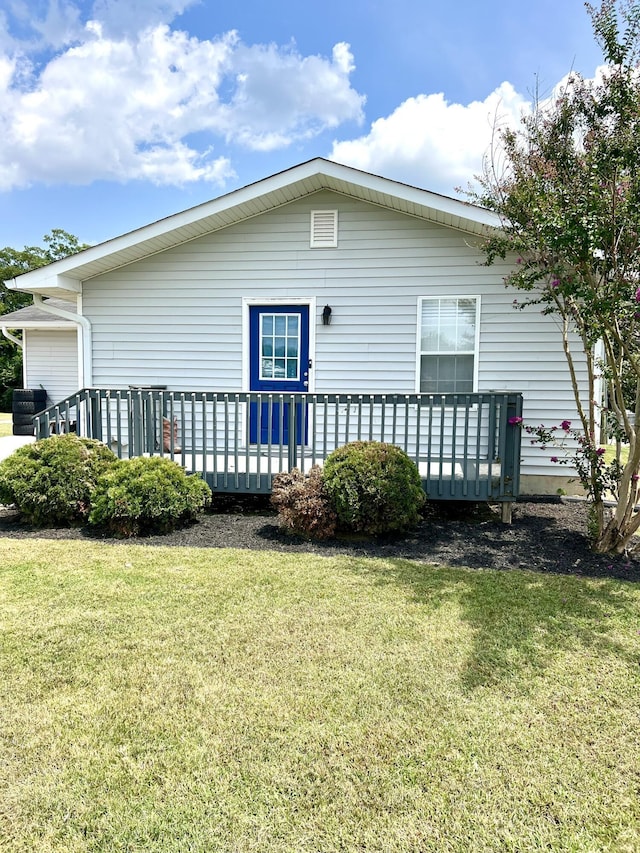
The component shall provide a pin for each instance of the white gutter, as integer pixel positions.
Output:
(85, 378)
(11, 337)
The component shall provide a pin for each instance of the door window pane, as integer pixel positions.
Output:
(279, 346)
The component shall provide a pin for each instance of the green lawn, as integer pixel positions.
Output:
(193, 700)
(5, 424)
(610, 453)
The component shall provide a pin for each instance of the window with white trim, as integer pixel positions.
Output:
(324, 229)
(448, 344)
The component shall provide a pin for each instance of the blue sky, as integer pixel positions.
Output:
(116, 113)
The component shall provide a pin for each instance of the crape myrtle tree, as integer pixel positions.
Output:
(566, 186)
(13, 262)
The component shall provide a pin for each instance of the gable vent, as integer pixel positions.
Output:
(324, 229)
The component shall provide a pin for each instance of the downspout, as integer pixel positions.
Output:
(85, 380)
(20, 344)
(7, 334)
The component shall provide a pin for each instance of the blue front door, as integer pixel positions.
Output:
(278, 362)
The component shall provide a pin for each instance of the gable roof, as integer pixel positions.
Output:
(64, 278)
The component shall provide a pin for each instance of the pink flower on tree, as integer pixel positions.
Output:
(566, 425)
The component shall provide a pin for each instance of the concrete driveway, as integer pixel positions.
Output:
(9, 443)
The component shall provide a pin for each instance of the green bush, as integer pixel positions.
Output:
(147, 494)
(51, 480)
(373, 487)
(303, 504)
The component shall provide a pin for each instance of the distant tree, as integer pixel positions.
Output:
(567, 190)
(14, 262)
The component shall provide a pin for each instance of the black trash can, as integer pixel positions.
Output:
(27, 402)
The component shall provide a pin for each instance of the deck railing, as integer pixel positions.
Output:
(465, 445)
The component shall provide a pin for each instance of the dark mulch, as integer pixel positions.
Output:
(546, 536)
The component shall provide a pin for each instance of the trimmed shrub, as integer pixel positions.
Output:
(374, 487)
(303, 503)
(147, 494)
(51, 480)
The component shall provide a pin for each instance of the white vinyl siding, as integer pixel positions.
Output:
(448, 344)
(176, 319)
(51, 362)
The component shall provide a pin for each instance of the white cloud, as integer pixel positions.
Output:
(41, 24)
(278, 89)
(61, 24)
(121, 17)
(178, 164)
(121, 108)
(432, 143)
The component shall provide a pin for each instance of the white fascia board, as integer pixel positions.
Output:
(46, 283)
(414, 195)
(44, 327)
(73, 266)
(162, 227)
(68, 273)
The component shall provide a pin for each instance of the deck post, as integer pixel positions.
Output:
(506, 514)
(136, 440)
(292, 426)
(512, 444)
(96, 416)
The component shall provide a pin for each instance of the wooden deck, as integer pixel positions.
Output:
(466, 446)
(253, 472)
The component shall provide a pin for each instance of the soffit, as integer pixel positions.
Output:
(247, 202)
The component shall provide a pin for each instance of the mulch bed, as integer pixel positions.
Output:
(545, 536)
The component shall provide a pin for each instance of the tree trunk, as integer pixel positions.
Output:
(615, 537)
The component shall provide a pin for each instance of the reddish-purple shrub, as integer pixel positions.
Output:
(303, 504)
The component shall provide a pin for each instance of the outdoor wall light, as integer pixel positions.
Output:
(326, 315)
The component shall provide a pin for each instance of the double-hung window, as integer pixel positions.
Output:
(448, 344)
